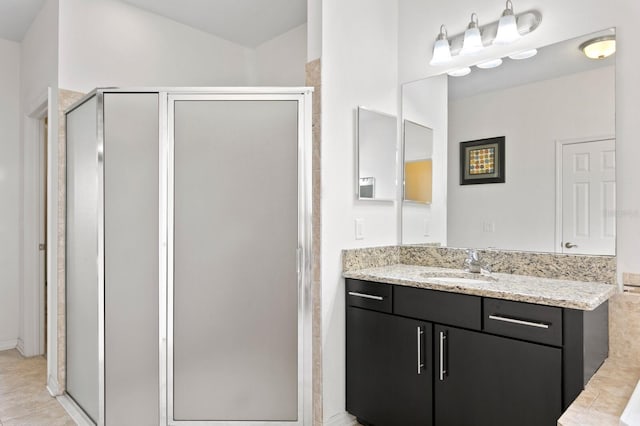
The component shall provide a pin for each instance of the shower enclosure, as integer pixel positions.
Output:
(188, 244)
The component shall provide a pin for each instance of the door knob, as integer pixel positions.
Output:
(570, 245)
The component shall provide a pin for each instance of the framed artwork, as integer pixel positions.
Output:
(482, 161)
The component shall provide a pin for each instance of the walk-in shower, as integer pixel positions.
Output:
(188, 244)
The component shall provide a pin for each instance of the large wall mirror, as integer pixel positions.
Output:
(376, 146)
(556, 112)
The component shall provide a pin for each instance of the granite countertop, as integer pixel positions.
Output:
(581, 295)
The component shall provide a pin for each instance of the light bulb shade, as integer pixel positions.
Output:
(524, 54)
(492, 63)
(441, 52)
(507, 30)
(472, 42)
(599, 48)
(461, 72)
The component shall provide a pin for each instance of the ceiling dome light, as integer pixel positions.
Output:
(526, 54)
(472, 38)
(507, 27)
(461, 72)
(491, 63)
(441, 49)
(600, 47)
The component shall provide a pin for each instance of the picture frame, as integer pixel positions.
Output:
(482, 161)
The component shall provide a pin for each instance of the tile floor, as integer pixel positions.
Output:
(24, 399)
(605, 396)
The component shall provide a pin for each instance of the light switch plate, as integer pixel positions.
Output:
(359, 229)
(426, 227)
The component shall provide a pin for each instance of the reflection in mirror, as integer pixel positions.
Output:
(422, 102)
(557, 114)
(376, 145)
(418, 148)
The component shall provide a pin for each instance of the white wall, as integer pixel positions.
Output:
(359, 67)
(9, 191)
(314, 29)
(532, 117)
(421, 103)
(281, 60)
(420, 21)
(110, 43)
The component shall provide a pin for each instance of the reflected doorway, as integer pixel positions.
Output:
(587, 197)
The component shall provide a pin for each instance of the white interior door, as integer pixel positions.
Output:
(589, 198)
(42, 230)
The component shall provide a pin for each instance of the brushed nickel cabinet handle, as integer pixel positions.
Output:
(443, 372)
(365, 296)
(420, 364)
(518, 321)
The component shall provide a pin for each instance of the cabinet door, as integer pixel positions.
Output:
(488, 380)
(389, 369)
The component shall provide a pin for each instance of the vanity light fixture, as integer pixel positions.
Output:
(441, 49)
(491, 63)
(472, 38)
(460, 72)
(507, 27)
(525, 54)
(599, 47)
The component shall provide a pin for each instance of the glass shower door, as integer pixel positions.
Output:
(233, 296)
(82, 366)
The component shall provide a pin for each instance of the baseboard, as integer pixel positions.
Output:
(5, 345)
(341, 419)
(20, 347)
(75, 412)
(53, 386)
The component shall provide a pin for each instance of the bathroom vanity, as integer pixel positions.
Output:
(432, 346)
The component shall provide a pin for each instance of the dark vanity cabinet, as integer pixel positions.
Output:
(425, 357)
(389, 360)
(490, 380)
(386, 368)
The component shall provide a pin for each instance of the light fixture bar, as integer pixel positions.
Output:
(527, 22)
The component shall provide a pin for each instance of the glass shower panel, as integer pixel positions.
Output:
(235, 311)
(82, 258)
(131, 258)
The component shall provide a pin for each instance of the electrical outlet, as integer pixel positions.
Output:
(489, 226)
(359, 229)
(425, 227)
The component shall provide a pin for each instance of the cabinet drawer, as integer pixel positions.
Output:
(438, 306)
(524, 321)
(369, 295)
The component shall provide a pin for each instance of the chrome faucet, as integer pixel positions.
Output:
(473, 263)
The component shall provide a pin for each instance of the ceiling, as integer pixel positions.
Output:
(16, 17)
(552, 61)
(246, 22)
